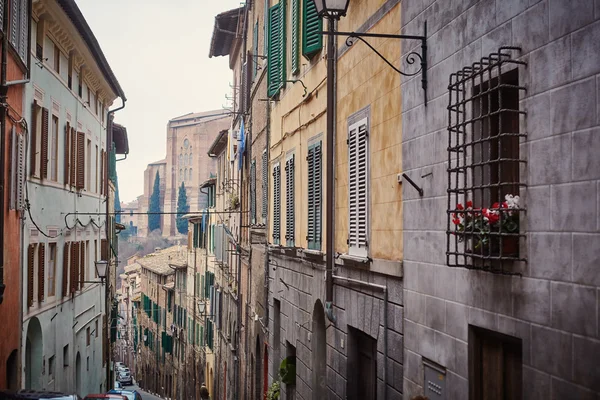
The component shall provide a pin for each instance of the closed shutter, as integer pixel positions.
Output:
(289, 202)
(265, 185)
(82, 263)
(196, 235)
(67, 159)
(80, 160)
(14, 24)
(312, 40)
(255, 57)
(358, 189)
(33, 145)
(276, 55)
(314, 196)
(44, 150)
(73, 154)
(30, 273)
(74, 265)
(296, 36)
(276, 203)
(65, 271)
(104, 249)
(1, 15)
(23, 30)
(253, 192)
(41, 271)
(20, 173)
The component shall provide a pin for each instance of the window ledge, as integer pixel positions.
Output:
(355, 259)
(315, 253)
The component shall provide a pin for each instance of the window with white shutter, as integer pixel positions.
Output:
(253, 192)
(314, 196)
(277, 203)
(17, 170)
(19, 28)
(265, 185)
(358, 188)
(290, 207)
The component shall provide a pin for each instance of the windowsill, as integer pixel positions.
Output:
(315, 253)
(355, 259)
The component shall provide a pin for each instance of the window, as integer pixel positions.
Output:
(290, 207)
(54, 150)
(312, 24)
(89, 96)
(56, 59)
(51, 269)
(87, 363)
(65, 271)
(296, 36)
(96, 156)
(276, 203)
(358, 188)
(51, 367)
(290, 355)
(66, 356)
(314, 196)
(80, 160)
(265, 185)
(253, 192)
(495, 365)
(484, 163)
(276, 331)
(39, 141)
(17, 170)
(276, 53)
(30, 274)
(88, 153)
(362, 366)
(19, 28)
(96, 101)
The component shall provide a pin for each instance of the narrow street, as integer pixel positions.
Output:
(145, 395)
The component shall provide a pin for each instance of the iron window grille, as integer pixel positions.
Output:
(483, 225)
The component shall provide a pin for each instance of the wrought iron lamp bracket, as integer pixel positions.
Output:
(410, 58)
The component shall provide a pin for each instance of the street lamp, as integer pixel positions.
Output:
(331, 8)
(101, 268)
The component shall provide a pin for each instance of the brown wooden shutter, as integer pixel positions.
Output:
(73, 163)
(74, 262)
(33, 145)
(81, 264)
(104, 249)
(67, 156)
(80, 160)
(44, 151)
(41, 271)
(30, 274)
(65, 272)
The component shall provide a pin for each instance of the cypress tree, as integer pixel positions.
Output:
(154, 206)
(182, 209)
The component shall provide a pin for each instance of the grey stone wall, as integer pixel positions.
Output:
(359, 307)
(554, 306)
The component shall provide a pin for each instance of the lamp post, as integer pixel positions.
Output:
(332, 10)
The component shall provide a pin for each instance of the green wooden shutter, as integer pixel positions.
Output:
(283, 40)
(289, 202)
(253, 192)
(255, 58)
(312, 40)
(275, 57)
(277, 204)
(296, 36)
(314, 196)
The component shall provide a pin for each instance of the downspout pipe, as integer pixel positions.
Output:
(3, 97)
(330, 172)
(385, 322)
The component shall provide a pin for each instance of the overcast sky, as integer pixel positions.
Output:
(158, 51)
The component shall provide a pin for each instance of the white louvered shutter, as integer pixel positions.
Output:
(23, 29)
(14, 24)
(265, 186)
(289, 202)
(253, 192)
(277, 204)
(314, 196)
(358, 189)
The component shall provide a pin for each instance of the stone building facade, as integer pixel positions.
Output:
(159, 167)
(533, 66)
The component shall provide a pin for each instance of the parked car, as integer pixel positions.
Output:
(117, 385)
(35, 395)
(102, 396)
(130, 394)
(125, 378)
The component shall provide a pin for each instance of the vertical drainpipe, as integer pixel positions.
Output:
(330, 172)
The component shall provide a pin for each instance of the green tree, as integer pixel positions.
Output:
(154, 206)
(182, 209)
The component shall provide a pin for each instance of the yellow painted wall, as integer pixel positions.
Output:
(364, 79)
(294, 121)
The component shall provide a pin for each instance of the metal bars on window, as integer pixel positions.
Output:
(290, 206)
(484, 208)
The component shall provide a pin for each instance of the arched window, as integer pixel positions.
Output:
(186, 144)
(180, 173)
(185, 175)
(180, 159)
(190, 175)
(190, 158)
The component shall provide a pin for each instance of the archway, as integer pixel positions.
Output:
(12, 371)
(319, 357)
(33, 355)
(78, 374)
